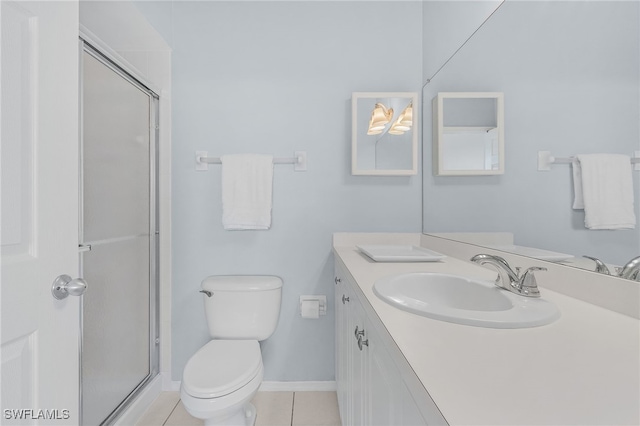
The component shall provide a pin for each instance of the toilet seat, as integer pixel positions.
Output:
(221, 367)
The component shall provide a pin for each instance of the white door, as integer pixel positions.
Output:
(39, 235)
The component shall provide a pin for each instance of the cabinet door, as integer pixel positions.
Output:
(359, 364)
(350, 364)
(343, 367)
(410, 412)
(370, 387)
(384, 384)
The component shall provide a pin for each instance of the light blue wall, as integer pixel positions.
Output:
(446, 25)
(274, 77)
(569, 72)
(159, 13)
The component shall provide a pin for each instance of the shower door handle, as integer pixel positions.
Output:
(64, 285)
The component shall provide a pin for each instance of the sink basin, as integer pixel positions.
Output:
(462, 300)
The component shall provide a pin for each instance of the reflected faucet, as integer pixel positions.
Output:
(630, 271)
(508, 279)
(600, 266)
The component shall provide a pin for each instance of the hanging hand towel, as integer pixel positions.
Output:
(607, 191)
(247, 186)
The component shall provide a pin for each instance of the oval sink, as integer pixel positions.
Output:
(462, 300)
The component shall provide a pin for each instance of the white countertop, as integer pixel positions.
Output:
(582, 369)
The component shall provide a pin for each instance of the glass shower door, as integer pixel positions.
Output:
(117, 238)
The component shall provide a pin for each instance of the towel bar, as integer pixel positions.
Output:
(545, 160)
(299, 160)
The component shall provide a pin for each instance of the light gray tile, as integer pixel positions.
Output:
(273, 408)
(160, 409)
(315, 409)
(180, 417)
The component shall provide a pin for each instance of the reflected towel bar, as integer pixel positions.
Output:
(299, 160)
(545, 160)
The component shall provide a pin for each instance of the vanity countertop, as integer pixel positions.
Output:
(582, 369)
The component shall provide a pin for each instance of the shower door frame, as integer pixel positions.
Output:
(154, 273)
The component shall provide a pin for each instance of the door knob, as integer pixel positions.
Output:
(64, 285)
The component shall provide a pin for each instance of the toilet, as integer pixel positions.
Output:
(222, 377)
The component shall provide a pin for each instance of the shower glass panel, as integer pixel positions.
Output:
(118, 224)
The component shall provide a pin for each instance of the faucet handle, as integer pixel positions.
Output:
(528, 283)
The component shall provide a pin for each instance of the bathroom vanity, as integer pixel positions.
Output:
(398, 368)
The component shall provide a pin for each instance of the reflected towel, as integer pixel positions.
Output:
(607, 191)
(247, 186)
(578, 201)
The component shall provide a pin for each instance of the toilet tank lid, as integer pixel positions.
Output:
(241, 283)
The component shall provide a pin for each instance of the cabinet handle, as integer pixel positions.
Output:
(337, 280)
(344, 299)
(362, 342)
(358, 333)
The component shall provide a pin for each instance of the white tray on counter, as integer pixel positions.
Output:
(536, 253)
(400, 253)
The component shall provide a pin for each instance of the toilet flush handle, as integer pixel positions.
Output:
(207, 292)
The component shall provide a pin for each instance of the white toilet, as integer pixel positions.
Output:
(222, 377)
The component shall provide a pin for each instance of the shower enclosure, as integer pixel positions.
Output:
(118, 237)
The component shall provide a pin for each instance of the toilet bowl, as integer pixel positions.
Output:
(220, 380)
(222, 377)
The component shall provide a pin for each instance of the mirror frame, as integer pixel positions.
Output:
(439, 129)
(414, 136)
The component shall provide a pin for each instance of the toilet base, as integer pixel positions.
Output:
(234, 409)
(244, 417)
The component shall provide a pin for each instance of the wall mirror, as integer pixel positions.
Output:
(548, 108)
(468, 133)
(384, 133)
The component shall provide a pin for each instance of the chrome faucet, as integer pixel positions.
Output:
(630, 271)
(508, 279)
(600, 266)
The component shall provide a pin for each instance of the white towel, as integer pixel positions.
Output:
(578, 200)
(247, 186)
(606, 193)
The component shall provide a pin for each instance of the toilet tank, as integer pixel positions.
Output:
(242, 306)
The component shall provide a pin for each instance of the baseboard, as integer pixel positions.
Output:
(279, 386)
(297, 386)
(174, 386)
(137, 408)
(169, 385)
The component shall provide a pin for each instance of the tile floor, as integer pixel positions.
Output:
(274, 409)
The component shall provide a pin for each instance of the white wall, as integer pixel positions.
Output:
(569, 72)
(274, 77)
